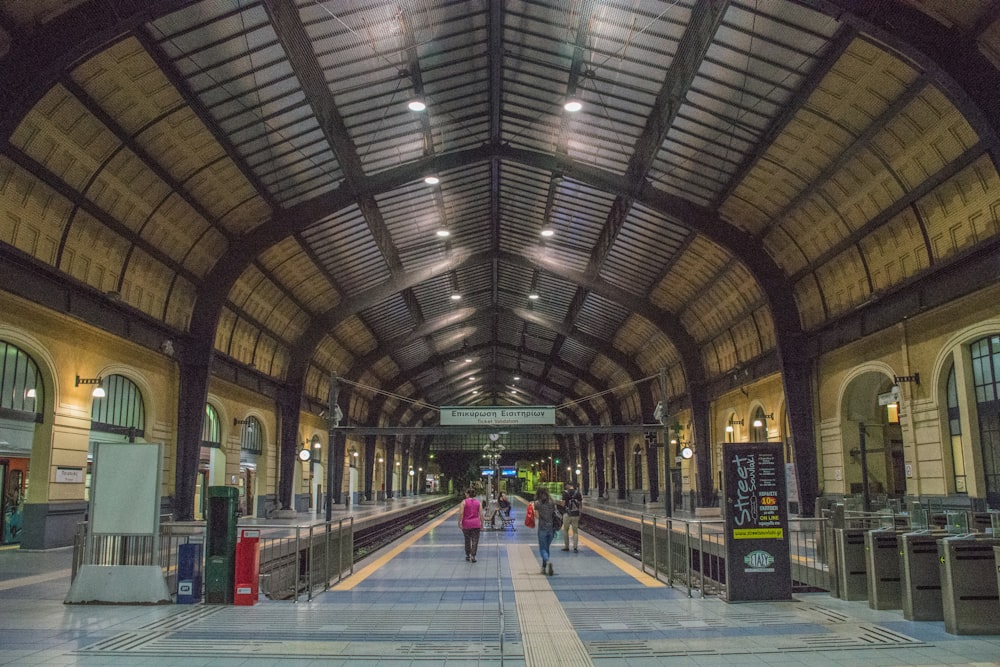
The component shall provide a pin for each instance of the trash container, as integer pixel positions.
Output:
(247, 589)
(220, 544)
(969, 593)
(189, 573)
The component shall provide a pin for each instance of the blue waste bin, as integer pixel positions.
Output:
(189, 573)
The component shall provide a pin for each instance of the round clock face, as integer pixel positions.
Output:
(305, 454)
(494, 436)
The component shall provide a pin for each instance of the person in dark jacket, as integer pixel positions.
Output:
(572, 501)
(545, 521)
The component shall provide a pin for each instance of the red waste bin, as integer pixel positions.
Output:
(247, 587)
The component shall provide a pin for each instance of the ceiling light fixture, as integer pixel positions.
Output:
(431, 180)
(443, 233)
(456, 297)
(547, 233)
(533, 296)
(416, 105)
(573, 105)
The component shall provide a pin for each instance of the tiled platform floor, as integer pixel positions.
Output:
(421, 603)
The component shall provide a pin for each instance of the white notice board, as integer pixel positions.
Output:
(125, 491)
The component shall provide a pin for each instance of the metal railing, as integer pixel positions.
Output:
(692, 553)
(294, 560)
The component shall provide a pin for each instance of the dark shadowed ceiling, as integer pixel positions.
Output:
(742, 178)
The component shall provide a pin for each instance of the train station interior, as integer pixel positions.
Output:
(281, 240)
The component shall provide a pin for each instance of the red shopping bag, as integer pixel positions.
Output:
(529, 516)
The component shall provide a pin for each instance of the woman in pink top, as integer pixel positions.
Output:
(470, 520)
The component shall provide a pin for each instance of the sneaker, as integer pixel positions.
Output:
(473, 559)
(565, 548)
(466, 556)
(550, 570)
(543, 567)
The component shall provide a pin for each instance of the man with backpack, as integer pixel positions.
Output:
(572, 501)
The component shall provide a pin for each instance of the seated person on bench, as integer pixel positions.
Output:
(504, 504)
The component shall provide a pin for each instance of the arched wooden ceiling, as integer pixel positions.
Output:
(742, 176)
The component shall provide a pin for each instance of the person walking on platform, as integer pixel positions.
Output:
(470, 520)
(545, 519)
(572, 501)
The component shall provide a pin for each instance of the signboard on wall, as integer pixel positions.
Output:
(758, 566)
(67, 475)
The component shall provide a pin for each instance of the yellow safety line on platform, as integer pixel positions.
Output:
(368, 570)
(646, 580)
(34, 579)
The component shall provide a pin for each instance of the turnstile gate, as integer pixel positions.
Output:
(884, 578)
(853, 577)
(921, 574)
(970, 600)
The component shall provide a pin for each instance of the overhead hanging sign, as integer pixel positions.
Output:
(528, 415)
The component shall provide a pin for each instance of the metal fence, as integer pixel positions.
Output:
(691, 553)
(295, 561)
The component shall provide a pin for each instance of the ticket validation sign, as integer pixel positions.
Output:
(758, 566)
(498, 416)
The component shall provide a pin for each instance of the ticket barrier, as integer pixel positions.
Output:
(969, 591)
(921, 585)
(884, 578)
(851, 570)
(996, 556)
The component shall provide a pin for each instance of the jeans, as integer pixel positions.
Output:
(545, 536)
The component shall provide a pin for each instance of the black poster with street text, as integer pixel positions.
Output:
(758, 566)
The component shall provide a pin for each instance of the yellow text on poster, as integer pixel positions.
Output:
(758, 534)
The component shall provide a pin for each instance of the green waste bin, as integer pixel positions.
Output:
(220, 544)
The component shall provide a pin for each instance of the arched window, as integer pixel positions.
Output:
(121, 410)
(758, 425)
(252, 436)
(23, 391)
(955, 433)
(986, 377)
(211, 432)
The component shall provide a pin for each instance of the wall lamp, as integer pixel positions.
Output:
(732, 423)
(98, 390)
(758, 422)
(242, 422)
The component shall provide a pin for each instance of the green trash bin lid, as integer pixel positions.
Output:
(223, 492)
